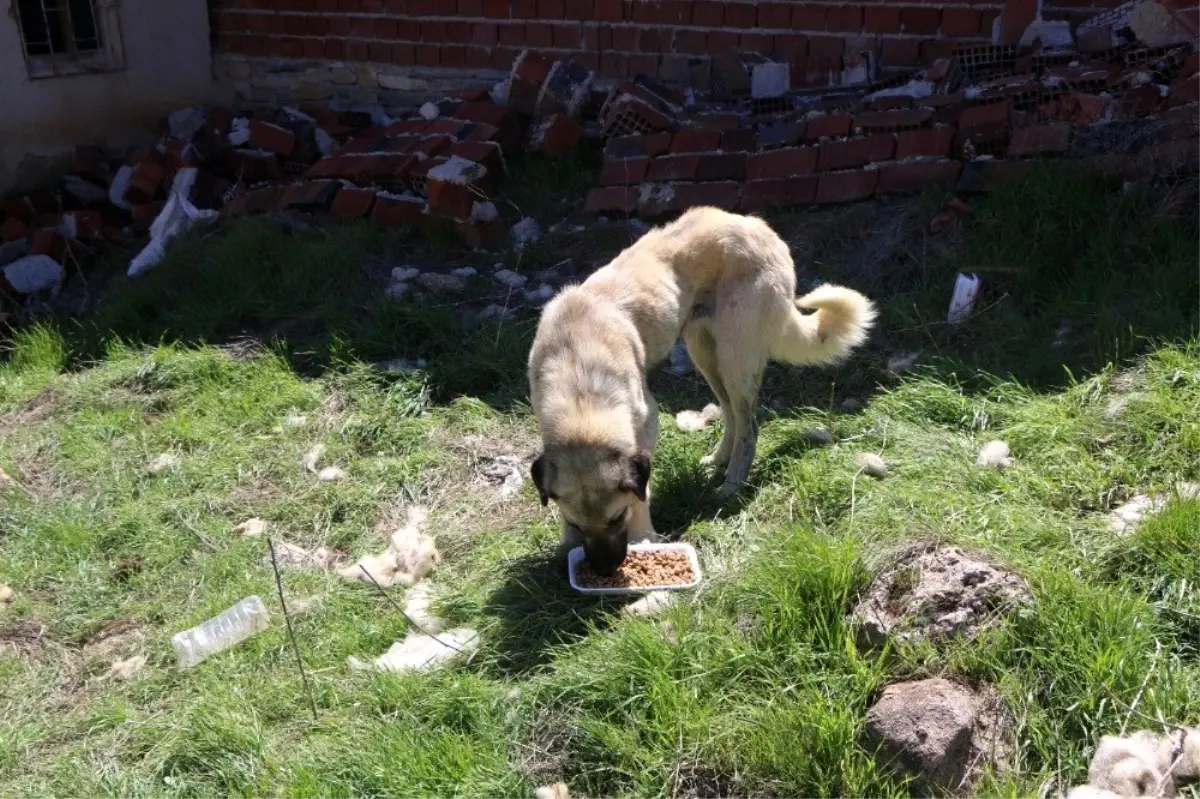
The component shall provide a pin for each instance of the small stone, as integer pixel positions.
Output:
(541, 295)
(872, 464)
(440, 283)
(510, 278)
(163, 463)
(404, 273)
(331, 474)
(6, 595)
(525, 232)
(251, 528)
(464, 272)
(430, 112)
(994, 455)
(821, 437)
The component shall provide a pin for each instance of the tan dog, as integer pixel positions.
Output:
(727, 284)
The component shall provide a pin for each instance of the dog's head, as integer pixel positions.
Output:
(595, 489)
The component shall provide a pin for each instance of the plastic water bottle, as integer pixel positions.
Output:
(220, 632)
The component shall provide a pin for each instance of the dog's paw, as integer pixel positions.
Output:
(713, 463)
(728, 490)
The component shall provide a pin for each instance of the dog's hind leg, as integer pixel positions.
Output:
(741, 373)
(703, 352)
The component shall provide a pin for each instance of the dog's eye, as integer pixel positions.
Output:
(620, 517)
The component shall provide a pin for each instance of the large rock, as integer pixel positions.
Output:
(938, 731)
(937, 594)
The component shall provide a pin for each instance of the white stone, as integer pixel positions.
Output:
(872, 464)
(403, 273)
(35, 273)
(510, 278)
(525, 232)
(430, 112)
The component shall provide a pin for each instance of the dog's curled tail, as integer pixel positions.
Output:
(842, 321)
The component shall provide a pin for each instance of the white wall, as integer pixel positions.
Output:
(168, 64)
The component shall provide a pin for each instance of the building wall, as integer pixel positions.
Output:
(168, 64)
(622, 38)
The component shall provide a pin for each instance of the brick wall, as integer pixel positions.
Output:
(621, 38)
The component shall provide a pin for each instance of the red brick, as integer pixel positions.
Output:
(960, 23)
(721, 166)
(1016, 17)
(397, 211)
(500, 117)
(13, 229)
(691, 42)
(621, 199)
(539, 35)
(48, 241)
(886, 103)
(476, 235)
(808, 17)
(352, 203)
(851, 153)
(784, 134)
(844, 19)
(708, 13)
(740, 15)
(790, 46)
(916, 176)
(920, 21)
(481, 152)
(695, 141)
(637, 146)
(738, 140)
(827, 126)
(673, 167)
(774, 15)
(845, 187)
(989, 115)
(900, 53)
(778, 191)
(782, 163)
(557, 135)
(147, 177)
(900, 119)
(629, 172)
(826, 47)
(1035, 139)
(929, 142)
(881, 19)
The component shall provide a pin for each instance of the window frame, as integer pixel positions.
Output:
(109, 57)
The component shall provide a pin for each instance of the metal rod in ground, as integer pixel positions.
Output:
(408, 618)
(287, 620)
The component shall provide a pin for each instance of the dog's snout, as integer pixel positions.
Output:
(605, 553)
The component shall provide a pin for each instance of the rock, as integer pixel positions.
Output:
(83, 191)
(507, 473)
(872, 464)
(525, 232)
(419, 652)
(556, 791)
(928, 728)
(34, 273)
(331, 474)
(404, 273)
(251, 528)
(1155, 25)
(694, 421)
(397, 290)
(510, 278)
(12, 250)
(650, 605)
(937, 594)
(821, 437)
(313, 457)
(464, 272)
(994, 455)
(126, 669)
(7, 595)
(430, 112)
(440, 283)
(163, 463)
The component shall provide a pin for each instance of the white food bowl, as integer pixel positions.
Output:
(576, 556)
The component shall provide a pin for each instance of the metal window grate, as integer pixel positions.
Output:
(59, 28)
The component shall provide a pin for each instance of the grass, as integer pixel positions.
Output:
(756, 687)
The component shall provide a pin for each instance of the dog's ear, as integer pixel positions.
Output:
(538, 472)
(637, 479)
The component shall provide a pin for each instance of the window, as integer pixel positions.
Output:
(69, 37)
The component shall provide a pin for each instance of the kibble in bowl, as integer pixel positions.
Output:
(647, 567)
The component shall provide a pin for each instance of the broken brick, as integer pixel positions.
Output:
(1082, 109)
(477, 234)
(556, 135)
(87, 224)
(849, 153)
(1036, 139)
(148, 177)
(271, 137)
(397, 210)
(13, 229)
(928, 142)
(352, 203)
(487, 153)
(844, 187)
(48, 241)
(673, 167)
(828, 126)
(504, 119)
(312, 195)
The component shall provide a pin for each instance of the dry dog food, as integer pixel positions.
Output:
(640, 569)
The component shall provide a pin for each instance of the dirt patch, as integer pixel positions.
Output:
(37, 409)
(935, 593)
(119, 638)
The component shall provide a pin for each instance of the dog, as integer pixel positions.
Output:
(726, 284)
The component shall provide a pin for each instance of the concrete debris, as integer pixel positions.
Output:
(35, 273)
(541, 295)
(770, 79)
(251, 528)
(695, 421)
(185, 123)
(419, 652)
(404, 273)
(430, 112)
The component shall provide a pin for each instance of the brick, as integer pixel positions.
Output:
(961, 23)
(148, 177)
(13, 229)
(673, 167)
(271, 137)
(312, 195)
(916, 176)
(808, 17)
(622, 199)
(88, 224)
(721, 166)
(852, 153)
(782, 163)
(827, 126)
(1036, 139)
(628, 172)
(900, 53)
(1016, 17)
(695, 141)
(394, 211)
(790, 47)
(930, 142)
(775, 15)
(920, 21)
(504, 119)
(845, 187)
(481, 152)
(891, 103)
(831, 47)
(352, 203)
(740, 15)
(557, 135)
(738, 140)
(985, 116)
(48, 241)
(730, 70)
(778, 191)
(637, 146)
(844, 19)
(893, 120)
(477, 235)
(881, 19)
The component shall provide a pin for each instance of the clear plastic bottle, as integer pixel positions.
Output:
(220, 632)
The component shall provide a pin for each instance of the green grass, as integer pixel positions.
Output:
(756, 689)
